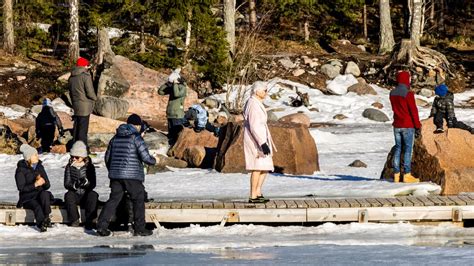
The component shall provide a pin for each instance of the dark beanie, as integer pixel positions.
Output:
(134, 119)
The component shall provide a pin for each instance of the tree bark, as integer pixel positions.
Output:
(365, 22)
(142, 39)
(306, 30)
(187, 41)
(415, 33)
(103, 45)
(252, 14)
(387, 42)
(423, 10)
(229, 23)
(441, 15)
(8, 30)
(432, 12)
(73, 30)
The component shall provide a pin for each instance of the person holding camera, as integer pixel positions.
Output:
(80, 180)
(176, 89)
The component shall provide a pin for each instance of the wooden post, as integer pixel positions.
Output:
(363, 216)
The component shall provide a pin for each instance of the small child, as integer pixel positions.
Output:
(46, 124)
(80, 180)
(197, 114)
(443, 108)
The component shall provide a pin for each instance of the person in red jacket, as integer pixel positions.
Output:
(406, 126)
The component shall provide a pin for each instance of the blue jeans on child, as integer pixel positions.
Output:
(404, 139)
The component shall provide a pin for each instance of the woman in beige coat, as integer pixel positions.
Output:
(258, 142)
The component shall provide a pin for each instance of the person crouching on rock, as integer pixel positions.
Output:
(124, 159)
(33, 184)
(258, 142)
(176, 89)
(80, 180)
(46, 124)
(443, 108)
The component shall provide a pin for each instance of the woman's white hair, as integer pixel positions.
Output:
(258, 86)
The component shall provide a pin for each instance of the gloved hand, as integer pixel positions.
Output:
(265, 149)
(61, 131)
(82, 183)
(417, 133)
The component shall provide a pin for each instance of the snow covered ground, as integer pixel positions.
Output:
(353, 138)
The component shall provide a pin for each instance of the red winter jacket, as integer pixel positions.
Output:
(405, 112)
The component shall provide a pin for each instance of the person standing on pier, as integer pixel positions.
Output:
(124, 158)
(406, 126)
(258, 143)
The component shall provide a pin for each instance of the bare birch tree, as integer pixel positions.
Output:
(229, 23)
(387, 42)
(252, 14)
(8, 30)
(73, 30)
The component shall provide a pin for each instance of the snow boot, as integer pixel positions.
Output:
(42, 227)
(396, 177)
(143, 232)
(408, 178)
(104, 232)
(75, 223)
(439, 130)
(47, 222)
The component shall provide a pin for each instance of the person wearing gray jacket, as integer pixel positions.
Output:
(83, 97)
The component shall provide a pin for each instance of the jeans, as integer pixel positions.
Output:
(404, 139)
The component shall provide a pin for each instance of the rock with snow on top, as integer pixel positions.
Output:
(20, 78)
(18, 108)
(358, 163)
(426, 92)
(330, 70)
(340, 84)
(375, 115)
(352, 68)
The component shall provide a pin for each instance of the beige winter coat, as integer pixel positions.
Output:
(256, 133)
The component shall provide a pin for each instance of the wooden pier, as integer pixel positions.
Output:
(303, 210)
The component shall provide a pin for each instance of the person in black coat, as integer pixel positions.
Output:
(46, 124)
(80, 180)
(33, 184)
(124, 159)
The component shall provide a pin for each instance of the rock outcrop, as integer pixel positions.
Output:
(189, 139)
(298, 118)
(445, 159)
(111, 107)
(131, 81)
(297, 153)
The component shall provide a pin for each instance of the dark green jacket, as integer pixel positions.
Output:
(81, 91)
(177, 93)
(444, 105)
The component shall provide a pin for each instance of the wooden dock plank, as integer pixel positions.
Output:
(426, 201)
(436, 201)
(291, 204)
(322, 203)
(176, 205)
(165, 205)
(280, 204)
(301, 204)
(457, 200)
(405, 202)
(468, 200)
(363, 203)
(343, 203)
(239, 205)
(415, 201)
(384, 202)
(395, 202)
(446, 201)
(229, 205)
(196, 205)
(311, 203)
(218, 205)
(208, 205)
(353, 203)
(332, 203)
(270, 205)
(187, 205)
(374, 202)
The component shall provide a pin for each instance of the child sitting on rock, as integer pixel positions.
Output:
(199, 115)
(46, 124)
(443, 108)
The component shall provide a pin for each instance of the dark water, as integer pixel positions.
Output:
(460, 254)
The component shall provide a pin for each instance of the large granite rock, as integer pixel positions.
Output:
(111, 107)
(445, 159)
(188, 138)
(297, 153)
(298, 118)
(97, 124)
(375, 115)
(131, 81)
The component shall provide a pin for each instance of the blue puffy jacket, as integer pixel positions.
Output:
(126, 154)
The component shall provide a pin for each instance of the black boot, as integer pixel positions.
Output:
(47, 222)
(104, 232)
(143, 232)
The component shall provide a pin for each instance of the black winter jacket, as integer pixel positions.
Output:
(82, 179)
(444, 105)
(25, 177)
(46, 118)
(126, 154)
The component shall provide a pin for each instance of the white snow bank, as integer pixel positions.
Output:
(341, 83)
(10, 113)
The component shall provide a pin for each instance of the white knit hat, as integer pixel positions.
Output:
(27, 151)
(79, 149)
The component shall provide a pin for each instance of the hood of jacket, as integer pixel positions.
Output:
(78, 70)
(126, 130)
(449, 96)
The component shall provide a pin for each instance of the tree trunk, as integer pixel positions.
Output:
(365, 22)
(73, 30)
(415, 33)
(432, 12)
(187, 41)
(441, 15)
(386, 32)
(423, 10)
(229, 23)
(252, 14)
(103, 46)
(142, 39)
(8, 31)
(306, 30)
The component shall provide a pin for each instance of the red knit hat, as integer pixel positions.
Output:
(82, 62)
(403, 77)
